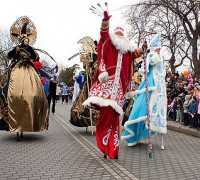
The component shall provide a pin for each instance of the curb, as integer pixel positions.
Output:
(184, 130)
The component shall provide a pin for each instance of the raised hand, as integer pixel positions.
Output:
(96, 10)
(101, 11)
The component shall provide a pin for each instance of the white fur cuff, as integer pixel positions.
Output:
(103, 77)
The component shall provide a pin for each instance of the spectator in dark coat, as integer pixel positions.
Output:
(52, 93)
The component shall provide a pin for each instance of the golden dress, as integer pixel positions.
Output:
(27, 102)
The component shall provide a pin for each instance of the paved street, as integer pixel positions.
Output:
(67, 152)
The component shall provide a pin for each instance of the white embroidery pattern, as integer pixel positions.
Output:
(102, 66)
(116, 140)
(106, 138)
(116, 84)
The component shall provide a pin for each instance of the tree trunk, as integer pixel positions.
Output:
(171, 62)
(195, 60)
(198, 28)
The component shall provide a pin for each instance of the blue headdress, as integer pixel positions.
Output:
(155, 42)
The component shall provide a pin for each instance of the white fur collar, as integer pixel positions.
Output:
(121, 43)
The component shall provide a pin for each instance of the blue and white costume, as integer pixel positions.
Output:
(136, 128)
(78, 85)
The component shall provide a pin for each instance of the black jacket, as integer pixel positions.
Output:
(52, 87)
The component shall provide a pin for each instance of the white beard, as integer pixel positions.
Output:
(121, 43)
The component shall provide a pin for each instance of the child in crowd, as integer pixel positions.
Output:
(183, 100)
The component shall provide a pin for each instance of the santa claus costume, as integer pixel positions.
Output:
(115, 58)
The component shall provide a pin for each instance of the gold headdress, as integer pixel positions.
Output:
(87, 48)
(22, 28)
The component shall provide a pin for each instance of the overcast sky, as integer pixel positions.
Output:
(60, 23)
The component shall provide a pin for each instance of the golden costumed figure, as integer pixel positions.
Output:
(83, 116)
(27, 105)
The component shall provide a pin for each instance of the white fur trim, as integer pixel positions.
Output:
(103, 77)
(131, 133)
(103, 102)
(121, 43)
(130, 122)
(132, 144)
(161, 130)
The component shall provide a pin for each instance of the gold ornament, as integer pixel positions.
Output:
(22, 28)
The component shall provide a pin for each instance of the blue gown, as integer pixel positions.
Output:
(136, 128)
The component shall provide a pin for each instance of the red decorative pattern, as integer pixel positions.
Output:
(104, 90)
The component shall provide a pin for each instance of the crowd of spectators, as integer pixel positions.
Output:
(183, 93)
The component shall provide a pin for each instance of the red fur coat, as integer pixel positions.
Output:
(115, 61)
